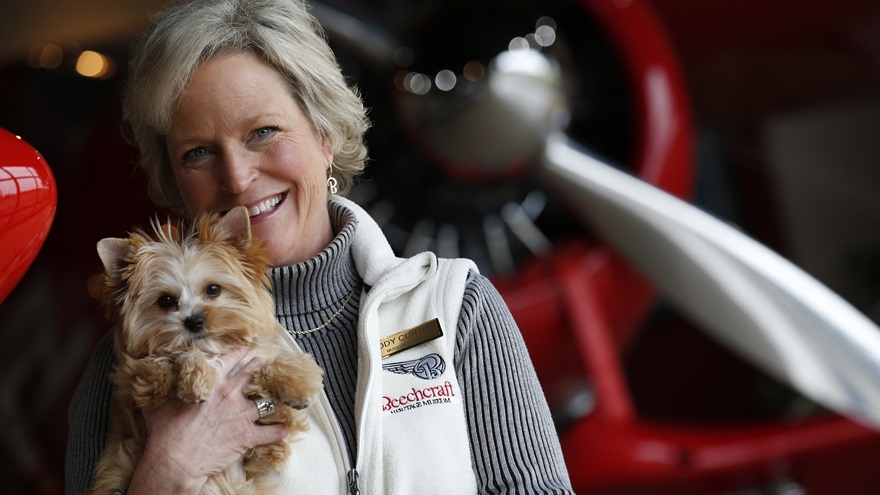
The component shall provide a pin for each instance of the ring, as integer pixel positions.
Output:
(265, 407)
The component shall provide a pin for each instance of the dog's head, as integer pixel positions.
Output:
(205, 288)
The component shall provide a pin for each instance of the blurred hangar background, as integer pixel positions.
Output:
(781, 102)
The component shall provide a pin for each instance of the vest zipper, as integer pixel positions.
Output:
(353, 482)
(352, 474)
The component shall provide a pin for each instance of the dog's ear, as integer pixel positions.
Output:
(112, 252)
(236, 224)
(168, 231)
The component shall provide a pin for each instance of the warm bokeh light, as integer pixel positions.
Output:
(45, 56)
(474, 70)
(92, 64)
(51, 56)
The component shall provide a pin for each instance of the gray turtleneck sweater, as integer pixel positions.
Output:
(514, 444)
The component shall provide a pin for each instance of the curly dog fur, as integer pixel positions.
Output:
(179, 302)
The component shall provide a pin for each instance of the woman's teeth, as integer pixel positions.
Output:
(264, 206)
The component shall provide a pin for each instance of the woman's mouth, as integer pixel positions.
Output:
(265, 205)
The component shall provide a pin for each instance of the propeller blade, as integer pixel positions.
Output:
(756, 302)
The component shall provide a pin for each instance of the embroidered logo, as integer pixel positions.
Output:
(417, 398)
(426, 368)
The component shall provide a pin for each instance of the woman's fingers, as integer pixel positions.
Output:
(265, 434)
(193, 441)
(231, 361)
(231, 391)
(244, 373)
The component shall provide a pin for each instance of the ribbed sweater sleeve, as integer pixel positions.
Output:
(88, 419)
(514, 443)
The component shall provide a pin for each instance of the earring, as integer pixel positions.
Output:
(332, 183)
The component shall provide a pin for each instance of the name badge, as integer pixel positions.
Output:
(410, 337)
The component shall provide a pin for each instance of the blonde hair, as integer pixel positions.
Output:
(284, 34)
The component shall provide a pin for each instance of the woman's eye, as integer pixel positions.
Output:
(264, 132)
(165, 301)
(213, 290)
(195, 154)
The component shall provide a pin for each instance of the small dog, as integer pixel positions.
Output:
(179, 302)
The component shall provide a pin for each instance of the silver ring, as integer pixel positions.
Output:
(265, 407)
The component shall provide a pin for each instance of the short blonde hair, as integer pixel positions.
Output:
(284, 34)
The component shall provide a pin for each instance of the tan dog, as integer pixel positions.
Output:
(178, 304)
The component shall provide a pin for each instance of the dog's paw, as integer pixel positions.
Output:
(190, 396)
(196, 377)
(294, 380)
(152, 383)
(270, 455)
(298, 404)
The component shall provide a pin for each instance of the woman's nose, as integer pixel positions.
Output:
(239, 170)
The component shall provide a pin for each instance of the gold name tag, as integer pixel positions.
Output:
(410, 337)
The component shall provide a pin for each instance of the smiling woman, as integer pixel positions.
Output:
(238, 137)
(241, 103)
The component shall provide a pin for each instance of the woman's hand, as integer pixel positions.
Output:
(188, 442)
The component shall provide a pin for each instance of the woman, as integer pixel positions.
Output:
(241, 102)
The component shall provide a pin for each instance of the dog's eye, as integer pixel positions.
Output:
(165, 301)
(213, 290)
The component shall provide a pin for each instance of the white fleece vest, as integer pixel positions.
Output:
(411, 427)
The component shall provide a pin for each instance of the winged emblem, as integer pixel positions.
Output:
(426, 368)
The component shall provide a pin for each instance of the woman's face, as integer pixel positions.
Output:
(238, 137)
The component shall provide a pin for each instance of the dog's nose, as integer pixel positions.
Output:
(194, 323)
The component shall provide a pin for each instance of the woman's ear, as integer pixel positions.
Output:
(327, 150)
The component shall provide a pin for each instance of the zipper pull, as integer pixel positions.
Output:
(353, 482)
